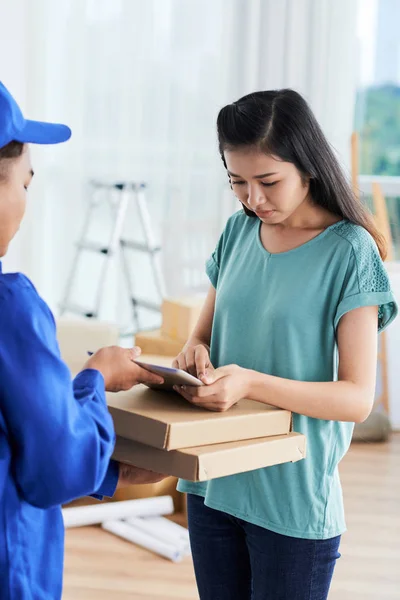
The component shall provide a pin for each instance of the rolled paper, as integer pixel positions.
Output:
(160, 529)
(131, 534)
(81, 516)
(170, 526)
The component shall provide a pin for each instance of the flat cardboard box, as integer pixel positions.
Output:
(154, 342)
(179, 317)
(218, 460)
(167, 421)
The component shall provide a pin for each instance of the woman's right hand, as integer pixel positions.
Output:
(195, 360)
(119, 370)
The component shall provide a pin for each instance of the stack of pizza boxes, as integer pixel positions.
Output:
(159, 430)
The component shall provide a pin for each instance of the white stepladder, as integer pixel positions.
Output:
(119, 195)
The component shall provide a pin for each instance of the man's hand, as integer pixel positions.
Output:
(119, 370)
(130, 475)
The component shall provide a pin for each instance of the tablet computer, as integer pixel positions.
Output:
(170, 375)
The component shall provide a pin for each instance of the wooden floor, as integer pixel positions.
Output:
(100, 566)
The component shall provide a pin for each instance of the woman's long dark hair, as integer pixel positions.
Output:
(280, 123)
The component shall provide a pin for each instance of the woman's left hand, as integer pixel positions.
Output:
(223, 388)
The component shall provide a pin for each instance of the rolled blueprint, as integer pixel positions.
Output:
(173, 528)
(80, 516)
(163, 530)
(131, 534)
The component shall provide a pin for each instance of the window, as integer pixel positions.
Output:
(377, 112)
(377, 116)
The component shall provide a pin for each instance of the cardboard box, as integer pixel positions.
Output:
(166, 420)
(219, 460)
(179, 317)
(154, 342)
(167, 487)
(157, 359)
(77, 336)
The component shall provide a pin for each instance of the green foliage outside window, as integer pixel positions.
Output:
(377, 119)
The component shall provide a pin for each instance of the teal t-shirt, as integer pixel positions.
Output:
(278, 314)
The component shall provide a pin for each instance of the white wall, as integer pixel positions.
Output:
(13, 49)
(392, 351)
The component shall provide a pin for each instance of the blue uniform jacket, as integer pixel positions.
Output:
(56, 440)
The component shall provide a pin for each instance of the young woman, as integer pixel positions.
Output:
(298, 294)
(56, 437)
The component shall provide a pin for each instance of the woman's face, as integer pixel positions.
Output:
(269, 187)
(15, 177)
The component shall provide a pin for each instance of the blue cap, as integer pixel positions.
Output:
(15, 128)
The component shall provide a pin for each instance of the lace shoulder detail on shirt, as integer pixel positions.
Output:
(372, 275)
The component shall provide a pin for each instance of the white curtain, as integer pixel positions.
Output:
(141, 82)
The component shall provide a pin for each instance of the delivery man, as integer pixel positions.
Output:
(56, 436)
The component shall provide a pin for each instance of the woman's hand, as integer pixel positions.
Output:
(131, 475)
(195, 360)
(223, 388)
(119, 370)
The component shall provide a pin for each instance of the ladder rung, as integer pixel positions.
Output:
(94, 247)
(140, 247)
(119, 185)
(78, 310)
(145, 304)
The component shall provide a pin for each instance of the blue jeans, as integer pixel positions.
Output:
(235, 560)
